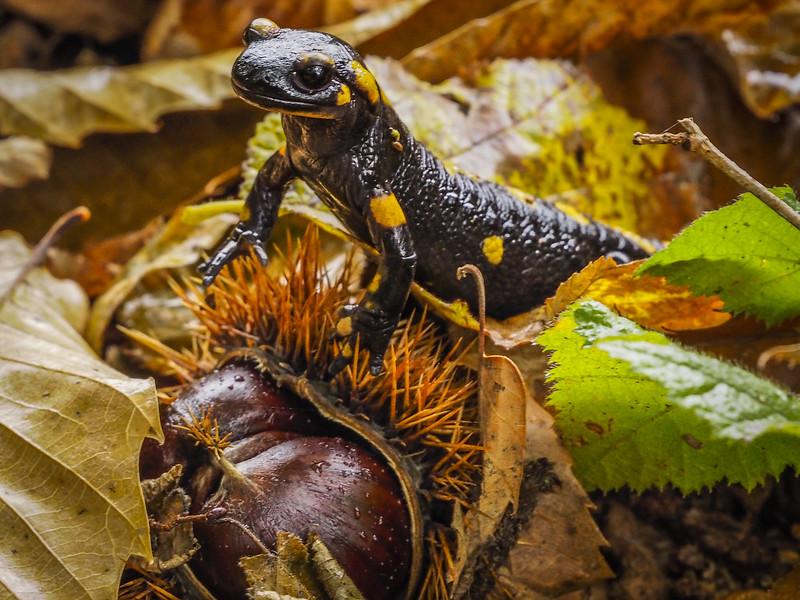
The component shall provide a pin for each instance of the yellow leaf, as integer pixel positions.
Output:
(71, 428)
(650, 301)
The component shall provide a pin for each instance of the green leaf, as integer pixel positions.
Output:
(636, 409)
(745, 253)
(71, 428)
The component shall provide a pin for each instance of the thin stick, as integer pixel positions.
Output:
(81, 214)
(462, 272)
(695, 140)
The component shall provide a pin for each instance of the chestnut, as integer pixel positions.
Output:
(243, 402)
(329, 486)
(288, 464)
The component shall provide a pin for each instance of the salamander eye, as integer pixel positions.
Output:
(312, 72)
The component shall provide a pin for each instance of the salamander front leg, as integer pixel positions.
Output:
(257, 218)
(374, 320)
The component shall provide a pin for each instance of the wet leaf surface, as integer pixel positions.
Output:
(635, 409)
(74, 513)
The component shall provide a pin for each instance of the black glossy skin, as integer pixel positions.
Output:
(355, 151)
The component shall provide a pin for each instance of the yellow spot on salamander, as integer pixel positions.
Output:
(374, 284)
(343, 97)
(365, 82)
(386, 211)
(347, 351)
(344, 326)
(493, 249)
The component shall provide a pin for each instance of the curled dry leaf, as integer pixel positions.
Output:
(554, 28)
(23, 159)
(650, 301)
(166, 502)
(551, 546)
(502, 400)
(70, 433)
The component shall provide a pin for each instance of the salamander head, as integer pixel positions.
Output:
(299, 72)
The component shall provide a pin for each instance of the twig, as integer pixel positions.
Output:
(77, 215)
(695, 140)
(462, 272)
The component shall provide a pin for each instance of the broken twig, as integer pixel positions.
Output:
(695, 140)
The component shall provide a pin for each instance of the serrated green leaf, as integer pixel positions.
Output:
(745, 253)
(636, 409)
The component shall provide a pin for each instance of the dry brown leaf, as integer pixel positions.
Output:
(71, 428)
(559, 548)
(558, 28)
(104, 20)
(63, 107)
(502, 400)
(191, 27)
(23, 159)
(650, 301)
(429, 20)
(766, 59)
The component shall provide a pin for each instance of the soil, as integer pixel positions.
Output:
(703, 546)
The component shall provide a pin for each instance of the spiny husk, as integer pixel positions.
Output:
(425, 401)
(146, 586)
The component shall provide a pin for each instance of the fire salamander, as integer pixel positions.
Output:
(344, 139)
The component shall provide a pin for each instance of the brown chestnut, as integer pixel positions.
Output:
(288, 464)
(328, 486)
(243, 402)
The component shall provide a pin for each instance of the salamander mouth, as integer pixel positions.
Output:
(266, 101)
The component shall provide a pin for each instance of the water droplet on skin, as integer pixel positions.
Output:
(239, 378)
(380, 520)
(357, 512)
(362, 535)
